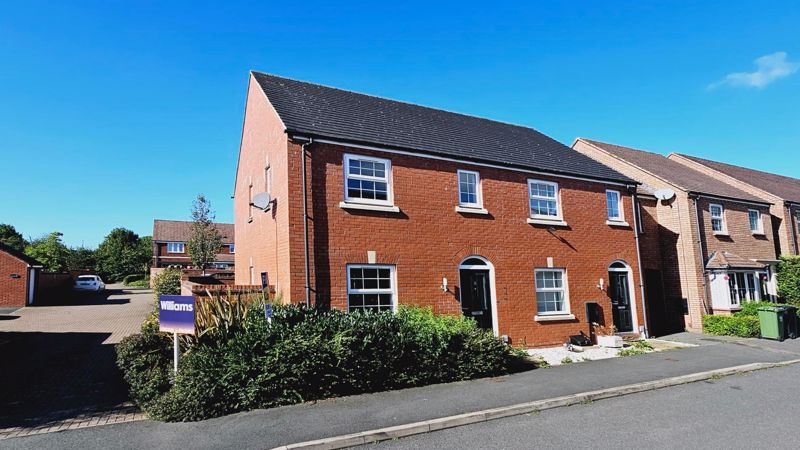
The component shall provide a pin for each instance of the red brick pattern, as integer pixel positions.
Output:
(13, 289)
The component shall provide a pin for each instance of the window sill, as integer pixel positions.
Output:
(720, 233)
(551, 222)
(758, 233)
(618, 223)
(554, 318)
(471, 210)
(368, 207)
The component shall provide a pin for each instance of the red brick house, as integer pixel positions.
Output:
(404, 204)
(18, 278)
(707, 246)
(783, 192)
(169, 245)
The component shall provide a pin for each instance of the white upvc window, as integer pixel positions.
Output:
(614, 206)
(756, 224)
(717, 218)
(746, 286)
(543, 196)
(551, 292)
(469, 189)
(371, 287)
(367, 180)
(231, 248)
(175, 247)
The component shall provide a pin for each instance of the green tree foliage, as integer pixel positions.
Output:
(50, 251)
(11, 237)
(81, 258)
(122, 253)
(205, 239)
(789, 279)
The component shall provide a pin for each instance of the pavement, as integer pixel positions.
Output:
(59, 364)
(311, 421)
(748, 411)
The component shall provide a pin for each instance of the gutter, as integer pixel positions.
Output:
(706, 288)
(305, 221)
(639, 260)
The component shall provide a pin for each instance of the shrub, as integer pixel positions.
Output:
(789, 279)
(737, 325)
(144, 283)
(132, 277)
(751, 308)
(167, 282)
(145, 360)
(309, 354)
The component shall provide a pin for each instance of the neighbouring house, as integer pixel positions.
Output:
(363, 203)
(783, 192)
(19, 275)
(170, 238)
(707, 245)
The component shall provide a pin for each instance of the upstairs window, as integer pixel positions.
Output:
(551, 292)
(370, 287)
(756, 225)
(614, 206)
(231, 248)
(543, 199)
(367, 180)
(717, 218)
(175, 247)
(469, 194)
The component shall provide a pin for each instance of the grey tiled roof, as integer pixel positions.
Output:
(179, 231)
(321, 111)
(787, 188)
(675, 173)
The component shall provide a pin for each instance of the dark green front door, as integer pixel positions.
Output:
(620, 301)
(476, 299)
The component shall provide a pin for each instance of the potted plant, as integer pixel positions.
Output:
(606, 336)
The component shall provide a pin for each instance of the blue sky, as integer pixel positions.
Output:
(116, 113)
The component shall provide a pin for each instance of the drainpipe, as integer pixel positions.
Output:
(305, 221)
(702, 256)
(635, 210)
(794, 229)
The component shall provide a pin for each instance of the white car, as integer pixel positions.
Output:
(89, 283)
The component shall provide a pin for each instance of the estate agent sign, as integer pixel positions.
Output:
(176, 314)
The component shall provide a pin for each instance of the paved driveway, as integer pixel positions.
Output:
(58, 362)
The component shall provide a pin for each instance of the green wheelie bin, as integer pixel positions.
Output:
(772, 319)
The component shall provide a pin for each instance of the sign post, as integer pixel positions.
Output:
(268, 312)
(176, 315)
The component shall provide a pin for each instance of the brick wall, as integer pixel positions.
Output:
(427, 240)
(263, 242)
(739, 239)
(782, 230)
(13, 289)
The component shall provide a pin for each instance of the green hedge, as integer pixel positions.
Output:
(308, 354)
(788, 277)
(736, 325)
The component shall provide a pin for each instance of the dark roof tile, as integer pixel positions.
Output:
(322, 111)
(179, 231)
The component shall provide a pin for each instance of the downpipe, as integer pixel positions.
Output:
(306, 250)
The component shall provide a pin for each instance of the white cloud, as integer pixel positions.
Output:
(769, 68)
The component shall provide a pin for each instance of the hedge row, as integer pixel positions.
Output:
(307, 354)
(741, 326)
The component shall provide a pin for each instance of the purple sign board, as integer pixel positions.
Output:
(176, 314)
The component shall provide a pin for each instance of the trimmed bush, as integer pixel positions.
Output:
(145, 360)
(144, 283)
(736, 325)
(310, 354)
(751, 308)
(789, 279)
(167, 282)
(132, 277)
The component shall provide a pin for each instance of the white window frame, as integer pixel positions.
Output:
(478, 204)
(392, 290)
(620, 217)
(556, 198)
(232, 248)
(386, 179)
(735, 299)
(721, 218)
(760, 224)
(181, 244)
(564, 289)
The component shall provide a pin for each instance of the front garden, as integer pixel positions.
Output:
(239, 361)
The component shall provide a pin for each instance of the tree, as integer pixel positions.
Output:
(50, 251)
(81, 258)
(205, 239)
(11, 237)
(122, 253)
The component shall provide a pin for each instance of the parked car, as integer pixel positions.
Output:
(89, 283)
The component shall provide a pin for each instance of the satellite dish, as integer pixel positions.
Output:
(262, 201)
(664, 194)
